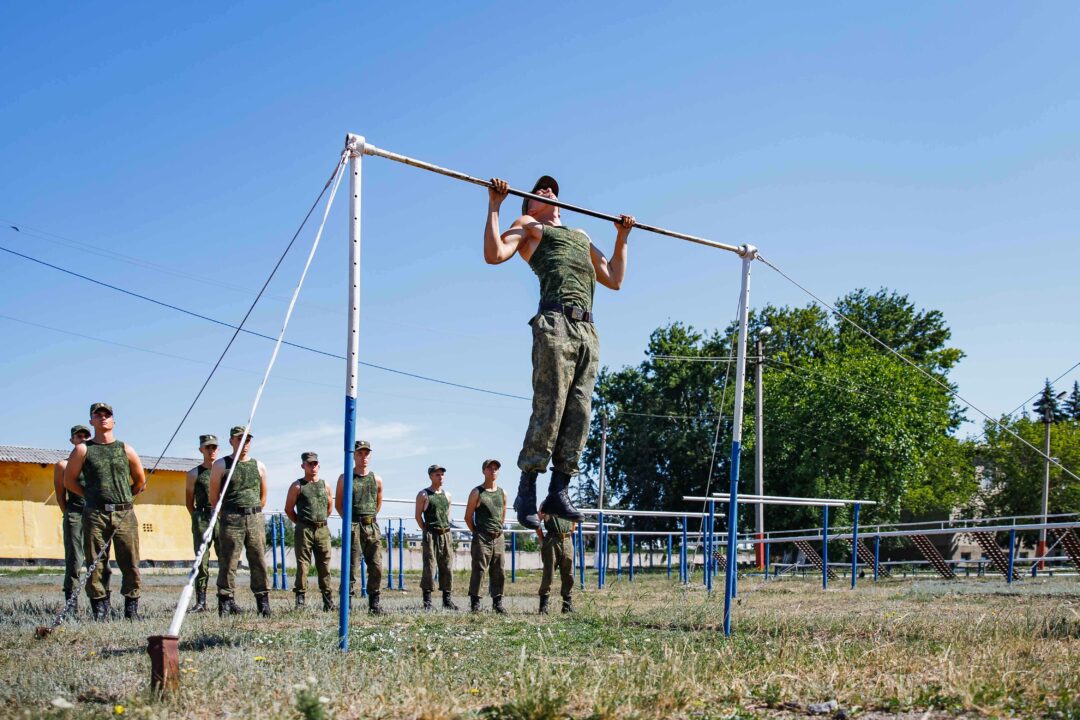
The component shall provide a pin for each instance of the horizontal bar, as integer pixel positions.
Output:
(642, 513)
(405, 160)
(413, 502)
(743, 498)
(957, 525)
(910, 533)
(764, 501)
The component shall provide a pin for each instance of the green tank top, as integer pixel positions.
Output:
(245, 488)
(75, 503)
(311, 501)
(556, 525)
(489, 510)
(107, 473)
(562, 261)
(202, 489)
(437, 513)
(365, 495)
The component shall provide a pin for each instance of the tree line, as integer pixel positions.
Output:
(842, 418)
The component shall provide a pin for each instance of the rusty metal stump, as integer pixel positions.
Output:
(164, 663)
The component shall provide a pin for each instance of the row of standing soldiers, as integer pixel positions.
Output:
(95, 489)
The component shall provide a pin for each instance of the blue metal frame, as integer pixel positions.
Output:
(513, 557)
(825, 548)
(1012, 554)
(630, 557)
(401, 554)
(581, 555)
(855, 547)
(618, 555)
(877, 555)
(273, 550)
(669, 548)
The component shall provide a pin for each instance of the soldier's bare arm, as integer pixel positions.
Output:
(217, 478)
(421, 506)
(329, 499)
(378, 496)
(58, 485)
(290, 500)
(503, 520)
(74, 467)
(263, 485)
(470, 508)
(610, 272)
(189, 490)
(339, 496)
(138, 475)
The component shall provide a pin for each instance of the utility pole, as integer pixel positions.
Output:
(1048, 419)
(759, 451)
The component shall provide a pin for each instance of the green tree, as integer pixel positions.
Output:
(1013, 473)
(1072, 403)
(1048, 405)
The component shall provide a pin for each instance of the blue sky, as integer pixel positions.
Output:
(173, 150)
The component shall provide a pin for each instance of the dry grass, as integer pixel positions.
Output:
(647, 649)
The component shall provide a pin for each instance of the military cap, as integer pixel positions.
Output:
(205, 440)
(309, 457)
(100, 406)
(361, 445)
(545, 181)
(432, 469)
(490, 461)
(80, 429)
(238, 431)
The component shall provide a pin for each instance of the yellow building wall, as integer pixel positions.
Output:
(30, 527)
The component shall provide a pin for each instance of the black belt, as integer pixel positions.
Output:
(203, 511)
(489, 535)
(569, 311)
(366, 520)
(312, 523)
(110, 507)
(436, 531)
(242, 510)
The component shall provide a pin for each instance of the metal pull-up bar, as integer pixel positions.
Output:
(355, 144)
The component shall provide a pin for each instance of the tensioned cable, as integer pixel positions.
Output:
(1009, 414)
(216, 321)
(189, 586)
(948, 389)
(92, 566)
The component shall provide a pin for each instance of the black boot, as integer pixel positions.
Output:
(525, 502)
(543, 604)
(557, 501)
(496, 605)
(374, 608)
(427, 599)
(227, 606)
(131, 609)
(474, 603)
(300, 601)
(567, 604)
(200, 602)
(448, 602)
(328, 603)
(262, 602)
(100, 608)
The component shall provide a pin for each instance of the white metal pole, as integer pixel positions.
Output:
(355, 145)
(748, 253)
(1041, 550)
(600, 498)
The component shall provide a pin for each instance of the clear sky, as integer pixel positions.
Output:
(173, 149)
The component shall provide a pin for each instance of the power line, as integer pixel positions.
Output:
(222, 323)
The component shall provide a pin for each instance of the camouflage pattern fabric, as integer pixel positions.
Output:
(73, 551)
(199, 522)
(366, 540)
(438, 551)
(557, 552)
(308, 540)
(487, 557)
(241, 533)
(565, 358)
(123, 527)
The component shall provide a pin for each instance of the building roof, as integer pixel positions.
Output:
(15, 453)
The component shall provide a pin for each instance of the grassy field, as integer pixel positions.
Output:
(647, 649)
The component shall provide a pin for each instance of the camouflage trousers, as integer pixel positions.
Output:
(308, 540)
(366, 541)
(74, 556)
(487, 557)
(199, 523)
(438, 552)
(237, 534)
(557, 552)
(565, 358)
(123, 527)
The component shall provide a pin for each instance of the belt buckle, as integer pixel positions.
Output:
(577, 313)
(110, 507)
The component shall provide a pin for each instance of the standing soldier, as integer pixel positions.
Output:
(243, 527)
(308, 504)
(114, 476)
(197, 497)
(366, 538)
(433, 517)
(556, 550)
(485, 514)
(71, 509)
(566, 347)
